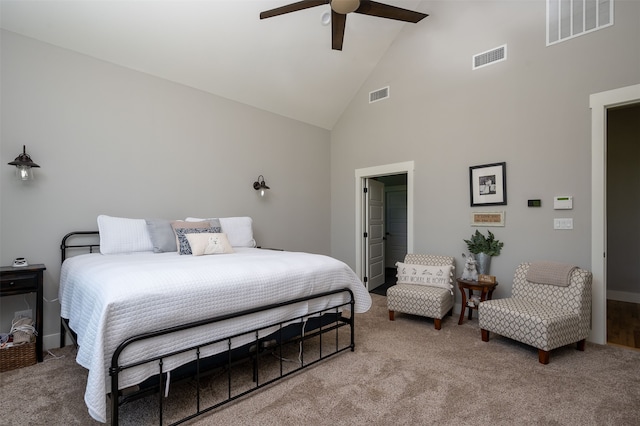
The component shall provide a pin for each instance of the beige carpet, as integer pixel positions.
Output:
(402, 372)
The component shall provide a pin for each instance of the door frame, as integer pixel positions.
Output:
(360, 177)
(599, 103)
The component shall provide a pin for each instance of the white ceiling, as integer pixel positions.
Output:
(282, 64)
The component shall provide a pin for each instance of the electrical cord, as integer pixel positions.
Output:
(299, 360)
(304, 324)
(52, 356)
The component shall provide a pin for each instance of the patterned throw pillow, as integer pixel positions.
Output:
(434, 276)
(183, 228)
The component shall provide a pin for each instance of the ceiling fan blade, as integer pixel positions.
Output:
(293, 7)
(380, 10)
(338, 21)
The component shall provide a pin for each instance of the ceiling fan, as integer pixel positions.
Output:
(340, 9)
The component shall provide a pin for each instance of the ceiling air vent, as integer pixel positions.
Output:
(378, 95)
(489, 57)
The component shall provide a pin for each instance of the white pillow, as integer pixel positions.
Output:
(122, 235)
(209, 243)
(239, 230)
(433, 276)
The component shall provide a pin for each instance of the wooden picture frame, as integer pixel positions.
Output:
(488, 184)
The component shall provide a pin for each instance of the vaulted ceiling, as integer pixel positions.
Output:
(283, 64)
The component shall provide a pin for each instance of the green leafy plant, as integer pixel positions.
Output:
(478, 243)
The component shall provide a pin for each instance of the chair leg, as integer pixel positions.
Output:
(437, 322)
(391, 315)
(485, 335)
(543, 356)
(581, 344)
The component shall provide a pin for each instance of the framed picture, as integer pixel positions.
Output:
(487, 218)
(488, 184)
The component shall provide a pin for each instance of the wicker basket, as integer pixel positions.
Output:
(18, 356)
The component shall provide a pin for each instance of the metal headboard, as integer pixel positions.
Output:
(64, 326)
(64, 246)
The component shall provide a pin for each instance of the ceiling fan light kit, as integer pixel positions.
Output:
(345, 6)
(341, 8)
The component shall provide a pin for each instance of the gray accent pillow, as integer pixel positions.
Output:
(162, 235)
(215, 224)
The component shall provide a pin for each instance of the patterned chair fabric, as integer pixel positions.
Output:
(541, 315)
(431, 302)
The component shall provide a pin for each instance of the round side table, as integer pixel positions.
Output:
(485, 289)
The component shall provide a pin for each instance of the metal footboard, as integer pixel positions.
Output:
(259, 343)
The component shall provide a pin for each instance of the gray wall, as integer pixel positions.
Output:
(531, 111)
(114, 141)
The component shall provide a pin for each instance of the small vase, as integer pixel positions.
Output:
(483, 263)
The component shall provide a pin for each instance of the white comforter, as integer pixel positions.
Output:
(108, 298)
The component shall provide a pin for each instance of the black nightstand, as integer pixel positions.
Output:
(22, 280)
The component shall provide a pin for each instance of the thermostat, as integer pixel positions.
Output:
(563, 202)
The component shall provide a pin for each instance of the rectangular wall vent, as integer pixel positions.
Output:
(489, 57)
(378, 95)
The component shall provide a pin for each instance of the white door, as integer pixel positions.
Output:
(374, 234)
(396, 229)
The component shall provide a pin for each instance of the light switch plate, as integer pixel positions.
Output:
(563, 223)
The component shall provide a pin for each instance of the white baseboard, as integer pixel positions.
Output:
(457, 308)
(623, 296)
(51, 341)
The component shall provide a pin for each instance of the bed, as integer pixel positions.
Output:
(138, 316)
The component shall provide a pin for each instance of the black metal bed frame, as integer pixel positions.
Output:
(296, 330)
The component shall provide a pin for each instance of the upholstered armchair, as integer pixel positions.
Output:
(423, 296)
(550, 307)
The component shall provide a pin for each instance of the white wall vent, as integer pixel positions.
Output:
(378, 95)
(489, 57)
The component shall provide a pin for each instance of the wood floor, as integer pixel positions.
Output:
(623, 323)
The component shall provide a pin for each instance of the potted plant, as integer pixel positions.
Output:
(483, 248)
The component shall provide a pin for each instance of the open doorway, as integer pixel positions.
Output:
(601, 104)
(384, 221)
(395, 228)
(623, 225)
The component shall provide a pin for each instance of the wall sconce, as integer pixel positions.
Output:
(24, 164)
(260, 185)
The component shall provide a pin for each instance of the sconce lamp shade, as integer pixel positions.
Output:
(24, 164)
(260, 185)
